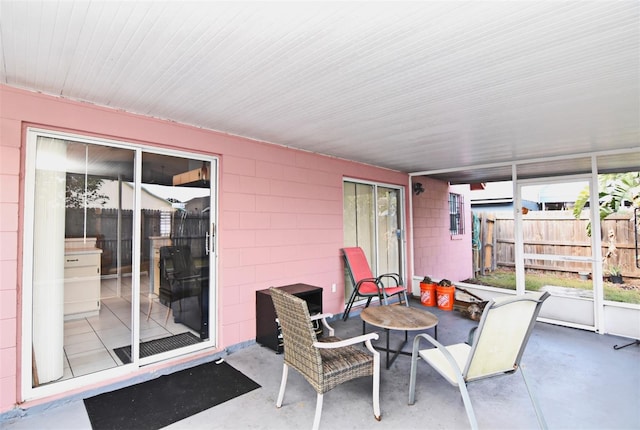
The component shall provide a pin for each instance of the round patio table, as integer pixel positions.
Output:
(398, 317)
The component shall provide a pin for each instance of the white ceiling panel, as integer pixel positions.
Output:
(410, 86)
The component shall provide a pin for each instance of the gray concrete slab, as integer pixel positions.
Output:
(581, 383)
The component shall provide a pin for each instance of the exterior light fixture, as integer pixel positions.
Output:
(418, 188)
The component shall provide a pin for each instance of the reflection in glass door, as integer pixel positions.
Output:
(81, 248)
(389, 231)
(176, 248)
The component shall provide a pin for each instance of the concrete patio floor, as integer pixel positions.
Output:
(580, 381)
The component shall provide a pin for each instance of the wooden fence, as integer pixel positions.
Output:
(186, 229)
(554, 233)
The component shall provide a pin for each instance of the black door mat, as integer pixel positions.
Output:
(154, 404)
(157, 346)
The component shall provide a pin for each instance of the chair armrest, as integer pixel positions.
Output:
(416, 342)
(318, 316)
(445, 352)
(324, 317)
(395, 276)
(472, 334)
(186, 278)
(372, 280)
(366, 338)
(379, 285)
(438, 367)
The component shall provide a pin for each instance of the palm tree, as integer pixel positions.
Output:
(615, 189)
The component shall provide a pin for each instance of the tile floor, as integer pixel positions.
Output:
(89, 342)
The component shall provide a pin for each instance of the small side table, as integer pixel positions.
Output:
(394, 317)
(267, 329)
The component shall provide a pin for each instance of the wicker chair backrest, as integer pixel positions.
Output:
(298, 336)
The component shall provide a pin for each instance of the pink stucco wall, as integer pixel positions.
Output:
(280, 212)
(437, 253)
(9, 251)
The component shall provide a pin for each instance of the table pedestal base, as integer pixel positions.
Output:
(398, 350)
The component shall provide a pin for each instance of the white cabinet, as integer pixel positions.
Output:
(154, 273)
(81, 282)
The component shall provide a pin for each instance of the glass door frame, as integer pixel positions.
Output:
(211, 240)
(27, 390)
(596, 254)
(402, 239)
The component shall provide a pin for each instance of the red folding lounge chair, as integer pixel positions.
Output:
(367, 285)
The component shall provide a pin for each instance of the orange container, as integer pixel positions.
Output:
(446, 297)
(428, 294)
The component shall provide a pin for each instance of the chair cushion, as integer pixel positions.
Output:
(369, 288)
(343, 364)
(438, 361)
(390, 291)
(357, 262)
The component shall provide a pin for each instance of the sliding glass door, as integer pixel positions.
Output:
(81, 253)
(118, 257)
(176, 247)
(372, 218)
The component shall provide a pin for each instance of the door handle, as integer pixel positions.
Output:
(208, 243)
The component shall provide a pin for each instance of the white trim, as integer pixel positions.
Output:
(135, 257)
(596, 248)
(518, 231)
(567, 324)
(411, 255)
(630, 150)
(622, 305)
(596, 286)
(555, 257)
(27, 263)
(480, 290)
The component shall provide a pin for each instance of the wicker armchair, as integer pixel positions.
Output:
(326, 363)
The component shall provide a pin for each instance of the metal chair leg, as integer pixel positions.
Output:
(283, 385)
(168, 312)
(347, 310)
(541, 421)
(316, 419)
(635, 342)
